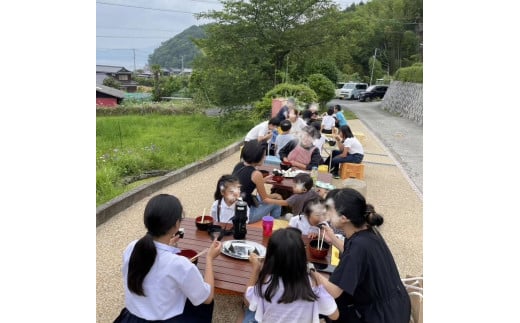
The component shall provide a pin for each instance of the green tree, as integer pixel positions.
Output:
(112, 82)
(300, 92)
(323, 87)
(251, 42)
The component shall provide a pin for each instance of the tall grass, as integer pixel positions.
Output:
(133, 144)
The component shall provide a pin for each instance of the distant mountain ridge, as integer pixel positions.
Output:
(179, 51)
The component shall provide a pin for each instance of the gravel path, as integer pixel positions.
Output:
(388, 189)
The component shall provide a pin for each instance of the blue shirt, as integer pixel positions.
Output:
(341, 118)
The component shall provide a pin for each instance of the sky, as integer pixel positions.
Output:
(48, 140)
(126, 30)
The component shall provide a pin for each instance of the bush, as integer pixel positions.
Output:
(112, 82)
(323, 87)
(301, 92)
(412, 74)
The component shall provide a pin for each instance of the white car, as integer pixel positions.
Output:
(337, 91)
(352, 90)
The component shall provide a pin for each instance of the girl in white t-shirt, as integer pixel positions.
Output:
(280, 289)
(226, 196)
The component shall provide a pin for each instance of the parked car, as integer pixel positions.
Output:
(351, 90)
(337, 91)
(373, 92)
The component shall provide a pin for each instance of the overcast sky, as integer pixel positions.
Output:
(125, 27)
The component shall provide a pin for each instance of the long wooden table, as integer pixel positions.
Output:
(288, 183)
(231, 275)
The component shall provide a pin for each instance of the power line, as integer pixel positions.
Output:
(151, 37)
(147, 8)
(130, 28)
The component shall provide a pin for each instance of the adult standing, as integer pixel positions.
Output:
(351, 150)
(366, 283)
(161, 285)
(283, 114)
(252, 179)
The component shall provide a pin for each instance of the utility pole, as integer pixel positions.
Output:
(182, 63)
(133, 49)
(373, 63)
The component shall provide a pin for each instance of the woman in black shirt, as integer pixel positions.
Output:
(366, 283)
(252, 179)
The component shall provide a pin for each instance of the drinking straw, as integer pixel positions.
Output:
(203, 212)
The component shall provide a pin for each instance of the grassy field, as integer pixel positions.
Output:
(130, 145)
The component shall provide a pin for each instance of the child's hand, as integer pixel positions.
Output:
(255, 261)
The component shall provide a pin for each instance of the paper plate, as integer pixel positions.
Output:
(241, 249)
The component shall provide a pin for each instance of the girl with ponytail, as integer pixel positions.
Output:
(160, 285)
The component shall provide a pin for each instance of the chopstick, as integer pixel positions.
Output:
(203, 213)
(199, 254)
(322, 238)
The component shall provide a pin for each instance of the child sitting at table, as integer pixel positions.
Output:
(226, 195)
(302, 192)
(313, 213)
(280, 288)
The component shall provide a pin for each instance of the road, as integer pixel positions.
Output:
(402, 137)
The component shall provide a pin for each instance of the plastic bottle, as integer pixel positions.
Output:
(314, 174)
(240, 220)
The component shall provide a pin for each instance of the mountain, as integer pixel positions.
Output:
(179, 51)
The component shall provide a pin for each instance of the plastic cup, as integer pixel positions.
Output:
(267, 225)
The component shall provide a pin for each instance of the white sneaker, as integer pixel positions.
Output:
(288, 216)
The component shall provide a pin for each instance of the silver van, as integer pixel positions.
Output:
(351, 90)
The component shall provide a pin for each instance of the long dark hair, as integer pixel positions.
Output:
(353, 206)
(346, 132)
(286, 259)
(161, 213)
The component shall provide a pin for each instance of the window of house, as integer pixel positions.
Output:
(123, 77)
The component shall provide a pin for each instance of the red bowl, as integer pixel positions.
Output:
(208, 221)
(318, 253)
(277, 178)
(189, 253)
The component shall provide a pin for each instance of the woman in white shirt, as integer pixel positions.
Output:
(161, 285)
(281, 289)
(351, 150)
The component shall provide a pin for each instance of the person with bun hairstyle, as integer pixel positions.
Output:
(161, 285)
(366, 283)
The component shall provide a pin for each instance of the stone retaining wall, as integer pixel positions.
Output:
(405, 99)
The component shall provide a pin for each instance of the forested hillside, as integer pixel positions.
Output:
(252, 46)
(181, 47)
